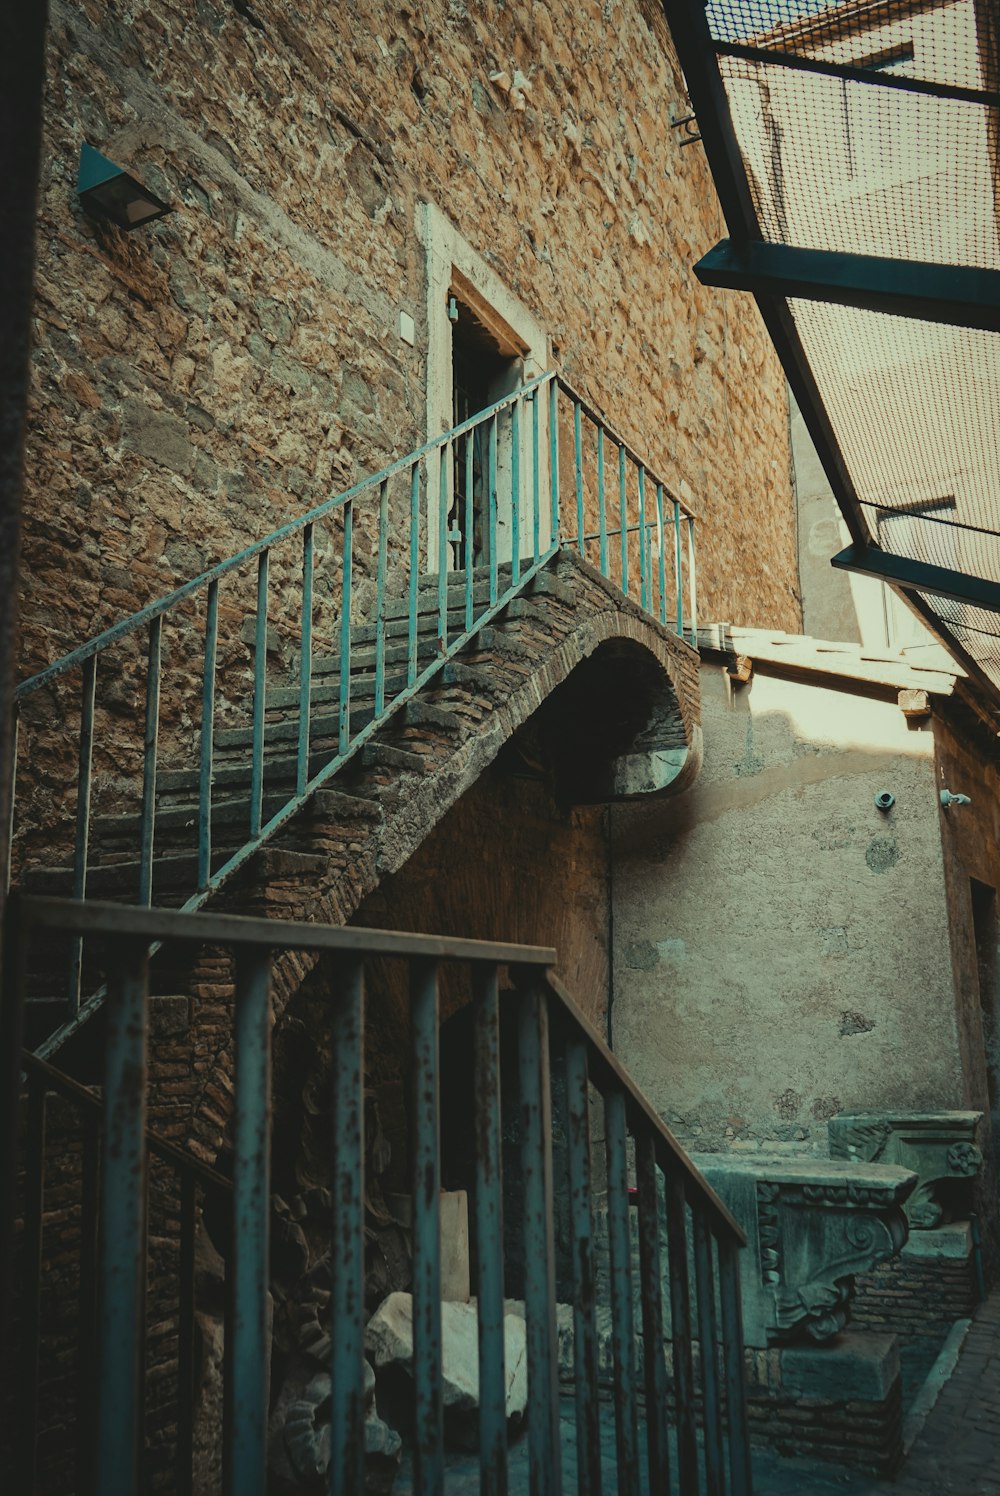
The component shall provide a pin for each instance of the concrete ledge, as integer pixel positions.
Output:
(951, 1243)
(853, 1367)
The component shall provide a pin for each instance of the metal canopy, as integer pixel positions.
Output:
(855, 146)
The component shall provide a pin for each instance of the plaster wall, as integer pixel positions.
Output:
(781, 947)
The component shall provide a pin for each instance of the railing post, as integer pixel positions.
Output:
(544, 1458)
(693, 592)
(602, 513)
(207, 745)
(644, 588)
(185, 1342)
(428, 1451)
(662, 540)
(680, 1322)
(34, 1204)
(444, 462)
(383, 543)
(515, 492)
(470, 522)
(704, 1278)
(259, 696)
(534, 397)
(344, 717)
(677, 568)
(121, 1289)
(652, 1315)
(15, 733)
(622, 1320)
(305, 663)
(585, 1360)
(12, 994)
(623, 515)
(740, 1473)
(149, 762)
(489, 1236)
(554, 461)
(82, 838)
(87, 1339)
(347, 1300)
(578, 467)
(247, 1363)
(411, 626)
(491, 486)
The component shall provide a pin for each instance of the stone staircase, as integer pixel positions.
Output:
(386, 798)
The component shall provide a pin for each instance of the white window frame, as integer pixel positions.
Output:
(455, 269)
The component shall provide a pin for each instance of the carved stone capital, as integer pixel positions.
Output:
(812, 1225)
(938, 1146)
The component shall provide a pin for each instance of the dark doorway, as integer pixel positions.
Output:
(482, 373)
(984, 919)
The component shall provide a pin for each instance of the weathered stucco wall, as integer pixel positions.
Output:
(198, 382)
(781, 946)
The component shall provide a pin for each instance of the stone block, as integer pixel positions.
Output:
(950, 1243)
(852, 1367)
(389, 1346)
(455, 1272)
(158, 435)
(939, 1147)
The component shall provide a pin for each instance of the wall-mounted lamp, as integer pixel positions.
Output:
(109, 194)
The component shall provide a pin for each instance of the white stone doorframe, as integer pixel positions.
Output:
(455, 269)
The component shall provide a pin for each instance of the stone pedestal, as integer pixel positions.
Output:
(841, 1401)
(812, 1226)
(939, 1147)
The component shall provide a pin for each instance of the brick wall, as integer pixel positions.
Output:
(903, 1297)
(198, 382)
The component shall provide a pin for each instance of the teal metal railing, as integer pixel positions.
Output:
(677, 1421)
(392, 578)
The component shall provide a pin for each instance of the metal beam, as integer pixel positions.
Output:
(695, 51)
(963, 295)
(870, 561)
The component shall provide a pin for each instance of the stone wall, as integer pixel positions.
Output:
(201, 381)
(782, 946)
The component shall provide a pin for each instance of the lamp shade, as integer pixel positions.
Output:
(110, 194)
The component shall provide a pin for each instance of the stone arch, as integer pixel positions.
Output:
(575, 621)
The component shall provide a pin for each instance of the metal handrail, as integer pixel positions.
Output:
(165, 604)
(704, 1306)
(499, 472)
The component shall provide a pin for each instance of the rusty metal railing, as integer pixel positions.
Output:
(690, 1432)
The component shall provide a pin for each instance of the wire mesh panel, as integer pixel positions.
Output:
(868, 131)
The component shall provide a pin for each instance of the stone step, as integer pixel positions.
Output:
(174, 876)
(233, 813)
(324, 727)
(326, 687)
(428, 596)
